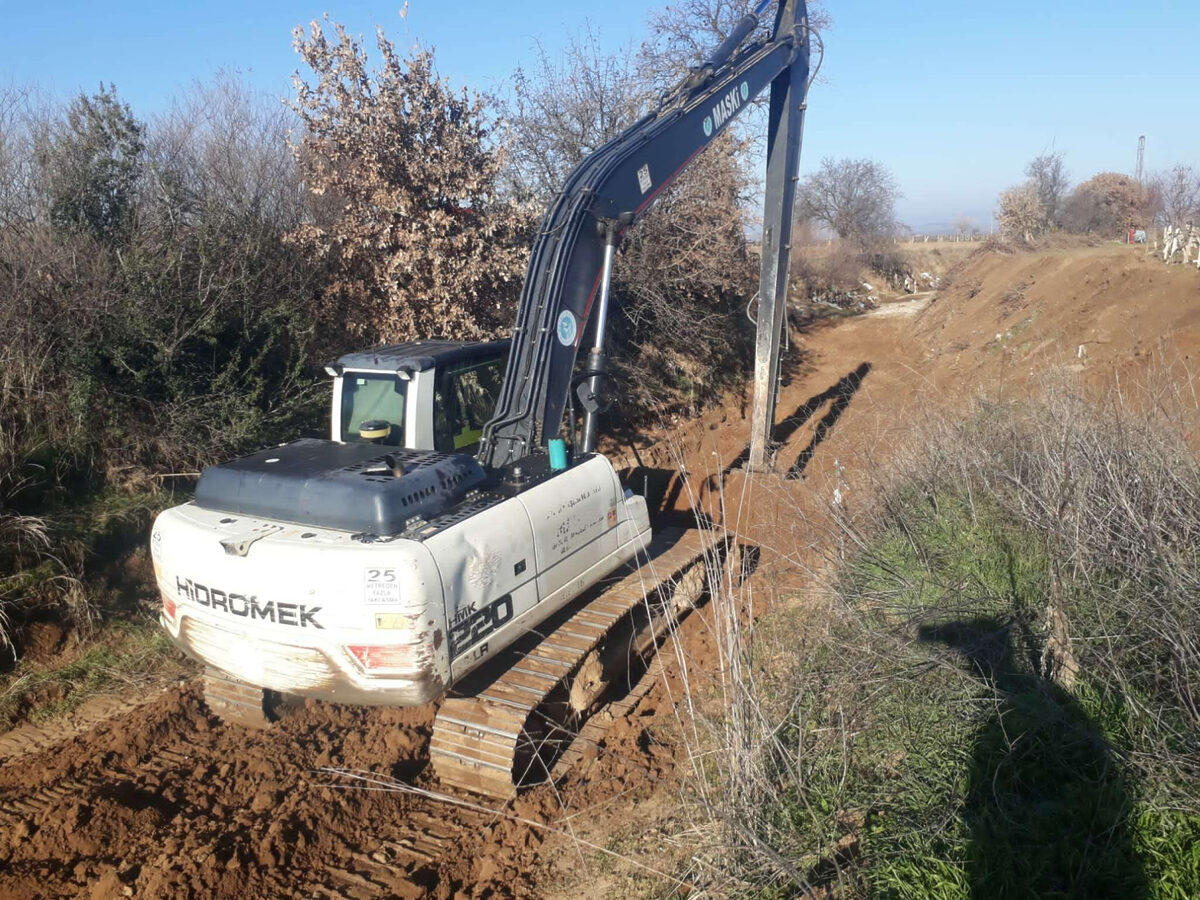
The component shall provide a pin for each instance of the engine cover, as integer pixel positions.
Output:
(348, 487)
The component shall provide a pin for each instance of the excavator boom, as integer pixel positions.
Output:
(615, 185)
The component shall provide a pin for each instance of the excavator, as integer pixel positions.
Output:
(514, 584)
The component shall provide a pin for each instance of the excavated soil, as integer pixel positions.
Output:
(153, 797)
(163, 800)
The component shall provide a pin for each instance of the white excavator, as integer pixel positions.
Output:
(428, 551)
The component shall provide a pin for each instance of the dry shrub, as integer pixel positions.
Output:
(684, 273)
(1011, 624)
(839, 277)
(995, 243)
(1115, 493)
(33, 576)
(1021, 215)
(833, 278)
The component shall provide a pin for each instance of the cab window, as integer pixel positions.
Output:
(370, 396)
(465, 398)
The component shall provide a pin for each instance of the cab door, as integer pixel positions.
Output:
(464, 399)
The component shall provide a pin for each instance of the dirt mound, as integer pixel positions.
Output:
(164, 801)
(1104, 310)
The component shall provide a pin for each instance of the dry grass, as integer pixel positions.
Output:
(994, 694)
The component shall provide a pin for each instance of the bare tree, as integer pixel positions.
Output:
(225, 147)
(15, 154)
(1021, 215)
(684, 33)
(853, 198)
(683, 271)
(964, 226)
(1050, 179)
(560, 111)
(1178, 192)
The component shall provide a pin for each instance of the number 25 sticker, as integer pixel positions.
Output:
(381, 585)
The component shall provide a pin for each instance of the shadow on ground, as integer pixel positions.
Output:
(1048, 804)
(840, 392)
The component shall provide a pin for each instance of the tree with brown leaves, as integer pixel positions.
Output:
(416, 238)
(1109, 202)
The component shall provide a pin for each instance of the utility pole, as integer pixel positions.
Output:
(1141, 159)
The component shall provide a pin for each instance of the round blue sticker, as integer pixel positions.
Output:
(567, 328)
(708, 126)
(745, 91)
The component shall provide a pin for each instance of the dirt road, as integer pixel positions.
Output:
(159, 799)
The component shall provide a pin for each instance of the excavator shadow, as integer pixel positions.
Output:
(840, 393)
(669, 499)
(674, 503)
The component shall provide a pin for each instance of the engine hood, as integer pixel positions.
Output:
(348, 487)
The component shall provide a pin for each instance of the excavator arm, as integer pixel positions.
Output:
(566, 284)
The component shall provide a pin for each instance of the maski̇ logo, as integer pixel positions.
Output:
(726, 107)
(567, 328)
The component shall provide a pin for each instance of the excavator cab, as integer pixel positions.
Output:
(419, 395)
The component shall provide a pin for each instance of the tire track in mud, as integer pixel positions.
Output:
(30, 738)
(422, 842)
(16, 806)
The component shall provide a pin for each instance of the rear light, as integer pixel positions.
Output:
(168, 605)
(381, 659)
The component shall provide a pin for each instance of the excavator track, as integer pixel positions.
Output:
(506, 727)
(234, 701)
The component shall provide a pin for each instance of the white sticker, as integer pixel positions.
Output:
(482, 567)
(644, 178)
(566, 328)
(381, 586)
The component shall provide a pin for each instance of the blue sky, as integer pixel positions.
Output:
(954, 97)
